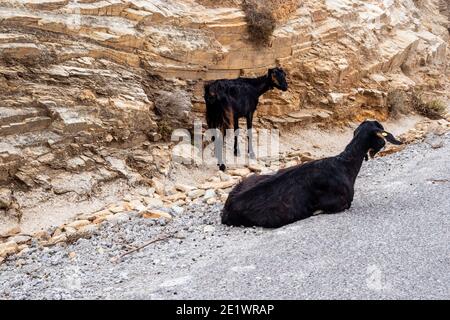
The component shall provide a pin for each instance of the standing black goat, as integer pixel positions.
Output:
(229, 100)
(298, 192)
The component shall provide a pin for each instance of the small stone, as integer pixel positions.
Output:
(72, 255)
(211, 200)
(89, 229)
(102, 219)
(117, 208)
(83, 233)
(178, 210)
(169, 190)
(158, 185)
(153, 202)
(214, 179)
(42, 235)
(143, 193)
(155, 214)
(291, 163)
(196, 193)
(20, 239)
(5, 198)
(176, 196)
(8, 248)
(10, 232)
(180, 202)
(255, 168)
(184, 187)
(241, 172)
(109, 138)
(437, 145)
(23, 249)
(306, 157)
(69, 230)
(218, 185)
(224, 197)
(78, 224)
(136, 205)
(223, 176)
(154, 137)
(210, 193)
(209, 229)
(127, 198)
(435, 142)
(119, 217)
(95, 215)
(447, 117)
(57, 232)
(75, 163)
(151, 192)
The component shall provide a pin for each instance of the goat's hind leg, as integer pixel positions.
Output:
(236, 136)
(251, 153)
(218, 139)
(334, 204)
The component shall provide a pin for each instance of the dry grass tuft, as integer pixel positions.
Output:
(260, 22)
(434, 109)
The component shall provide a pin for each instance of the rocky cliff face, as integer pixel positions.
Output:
(85, 84)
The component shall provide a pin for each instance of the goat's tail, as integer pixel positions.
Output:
(219, 114)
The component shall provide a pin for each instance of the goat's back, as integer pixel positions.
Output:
(233, 89)
(226, 99)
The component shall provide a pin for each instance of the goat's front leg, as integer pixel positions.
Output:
(236, 136)
(218, 148)
(251, 153)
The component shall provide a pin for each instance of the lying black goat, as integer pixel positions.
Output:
(298, 192)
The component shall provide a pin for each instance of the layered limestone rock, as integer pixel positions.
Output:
(84, 84)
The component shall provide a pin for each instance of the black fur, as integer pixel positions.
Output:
(228, 100)
(296, 193)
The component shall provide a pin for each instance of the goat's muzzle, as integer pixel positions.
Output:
(389, 137)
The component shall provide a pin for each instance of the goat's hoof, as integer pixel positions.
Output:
(222, 167)
(237, 153)
(252, 155)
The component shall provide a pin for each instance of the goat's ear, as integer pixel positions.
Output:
(389, 137)
(275, 79)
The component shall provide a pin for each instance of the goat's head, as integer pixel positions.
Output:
(277, 78)
(375, 137)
